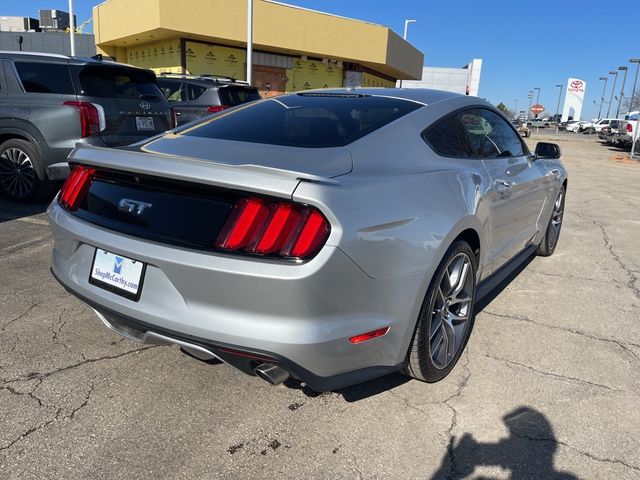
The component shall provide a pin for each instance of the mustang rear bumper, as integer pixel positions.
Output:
(300, 315)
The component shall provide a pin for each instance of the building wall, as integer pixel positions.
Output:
(48, 42)
(465, 80)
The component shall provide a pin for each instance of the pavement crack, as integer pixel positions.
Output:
(43, 375)
(581, 452)
(623, 346)
(20, 317)
(30, 394)
(453, 466)
(58, 416)
(633, 279)
(551, 374)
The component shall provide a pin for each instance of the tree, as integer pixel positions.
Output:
(626, 103)
(505, 111)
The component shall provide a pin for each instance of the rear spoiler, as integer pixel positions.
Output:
(253, 178)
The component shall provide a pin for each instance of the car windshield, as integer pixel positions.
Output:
(118, 82)
(311, 120)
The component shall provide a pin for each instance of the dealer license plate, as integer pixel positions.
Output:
(118, 274)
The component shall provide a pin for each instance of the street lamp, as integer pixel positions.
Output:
(615, 80)
(406, 27)
(249, 41)
(559, 97)
(633, 92)
(72, 29)
(624, 80)
(529, 97)
(606, 79)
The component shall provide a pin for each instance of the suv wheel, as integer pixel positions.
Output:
(447, 316)
(22, 176)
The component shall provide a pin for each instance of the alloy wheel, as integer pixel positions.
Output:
(17, 176)
(451, 311)
(556, 220)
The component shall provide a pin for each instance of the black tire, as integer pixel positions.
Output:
(421, 363)
(552, 234)
(22, 174)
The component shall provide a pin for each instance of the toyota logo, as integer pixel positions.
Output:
(145, 105)
(576, 84)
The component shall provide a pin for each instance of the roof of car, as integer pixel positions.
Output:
(54, 57)
(422, 95)
(204, 80)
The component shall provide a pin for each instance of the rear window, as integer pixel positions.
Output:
(233, 96)
(306, 120)
(116, 82)
(45, 77)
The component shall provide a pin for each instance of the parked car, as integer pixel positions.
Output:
(575, 126)
(331, 236)
(627, 132)
(50, 103)
(523, 129)
(607, 132)
(538, 123)
(195, 96)
(603, 123)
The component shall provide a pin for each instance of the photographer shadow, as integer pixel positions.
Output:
(527, 453)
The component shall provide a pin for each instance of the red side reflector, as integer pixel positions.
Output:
(363, 337)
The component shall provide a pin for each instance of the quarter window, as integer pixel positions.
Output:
(448, 138)
(490, 135)
(45, 77)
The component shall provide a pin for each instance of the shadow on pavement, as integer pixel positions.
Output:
(527, 453)
(11, 211)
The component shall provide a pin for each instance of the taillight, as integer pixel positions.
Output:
(75, 188)
(277, 228)
(217, 108)
(174, 118)
(629, 128)
(91, 117)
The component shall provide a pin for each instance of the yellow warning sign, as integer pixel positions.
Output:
(370, 80)
(215, 60)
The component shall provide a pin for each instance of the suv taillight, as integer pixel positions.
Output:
(75, 188)
(174, 118)
(91, 117)
(629, 128)
(277, 228)
(217, 108)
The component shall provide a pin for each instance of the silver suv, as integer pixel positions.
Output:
(49, 103)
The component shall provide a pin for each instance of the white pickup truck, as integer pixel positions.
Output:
(629, 129)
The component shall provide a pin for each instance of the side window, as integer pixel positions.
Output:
(448, 138)
(194, 91)
(45, 77)
(490, 135)
(171, 90)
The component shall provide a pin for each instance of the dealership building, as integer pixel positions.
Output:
(294, 48)
(465, 80)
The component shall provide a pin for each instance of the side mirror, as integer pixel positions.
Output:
(547, 150)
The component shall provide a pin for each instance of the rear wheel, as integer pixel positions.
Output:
(551, 236)
(446, 319)
(22, 175)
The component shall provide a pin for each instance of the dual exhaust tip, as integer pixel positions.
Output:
(271, 373)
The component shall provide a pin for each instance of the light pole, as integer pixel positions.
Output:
(529, 97)
(249, 40)
(537, 98)
(72, 29)
(624, 80)
(406, 27)
(615, 80)
(606, 79)
(559, 98)
(633, 92)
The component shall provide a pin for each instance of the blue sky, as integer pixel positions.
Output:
(524, 44)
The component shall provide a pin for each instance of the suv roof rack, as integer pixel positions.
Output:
(216, 78)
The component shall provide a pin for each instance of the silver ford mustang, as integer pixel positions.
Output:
(331, 236)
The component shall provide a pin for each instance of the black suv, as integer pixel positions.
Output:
(49, 103)
(194, 96)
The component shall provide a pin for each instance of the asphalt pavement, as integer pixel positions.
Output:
(548, 387)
